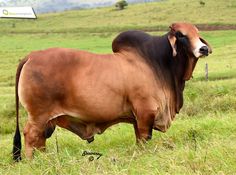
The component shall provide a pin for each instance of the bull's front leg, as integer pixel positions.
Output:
(144, 124)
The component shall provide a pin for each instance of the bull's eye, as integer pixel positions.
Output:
(179, 35)
(183, 39)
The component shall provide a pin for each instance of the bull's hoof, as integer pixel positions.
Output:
(143, 139)
(149, 137)
(90, 140)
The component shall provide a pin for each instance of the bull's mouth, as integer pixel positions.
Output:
(204, 54)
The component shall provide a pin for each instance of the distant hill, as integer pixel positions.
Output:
(151, 16)
(45, 6)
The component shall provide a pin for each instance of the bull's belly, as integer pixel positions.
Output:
(87, 130)
(89, 117)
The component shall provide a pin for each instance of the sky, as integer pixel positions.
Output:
(44, 6)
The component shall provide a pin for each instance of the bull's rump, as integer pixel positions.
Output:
(76, 83)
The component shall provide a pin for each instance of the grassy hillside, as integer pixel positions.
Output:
(149, 16)
(200, 141)
(202, 138)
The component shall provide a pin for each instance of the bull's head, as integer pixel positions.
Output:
(186, 36)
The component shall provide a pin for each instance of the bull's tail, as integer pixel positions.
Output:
(17, 138)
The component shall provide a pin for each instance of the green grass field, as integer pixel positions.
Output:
(201, 140)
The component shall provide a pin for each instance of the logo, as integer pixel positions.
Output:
(5, 12)
(17, 12)
(92, 155)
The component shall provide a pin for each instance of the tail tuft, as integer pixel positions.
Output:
(17, 146)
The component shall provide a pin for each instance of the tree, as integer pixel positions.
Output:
(120, 5)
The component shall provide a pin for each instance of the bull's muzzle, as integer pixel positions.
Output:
(204, 50)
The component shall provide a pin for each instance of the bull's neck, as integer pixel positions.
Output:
(169, 70)
(174, 72)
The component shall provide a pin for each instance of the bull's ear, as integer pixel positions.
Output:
(172, 40)
(209, 47)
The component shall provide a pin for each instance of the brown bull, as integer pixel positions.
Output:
(141, 83)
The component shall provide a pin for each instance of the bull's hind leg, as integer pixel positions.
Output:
(34, 134)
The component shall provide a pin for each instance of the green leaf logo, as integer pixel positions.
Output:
(5, 12)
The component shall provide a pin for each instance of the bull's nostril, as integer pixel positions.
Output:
(204, 50)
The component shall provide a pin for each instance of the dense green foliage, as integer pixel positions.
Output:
(121, 4)
(202, 138)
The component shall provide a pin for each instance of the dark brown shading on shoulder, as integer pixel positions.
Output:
(157, 51)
